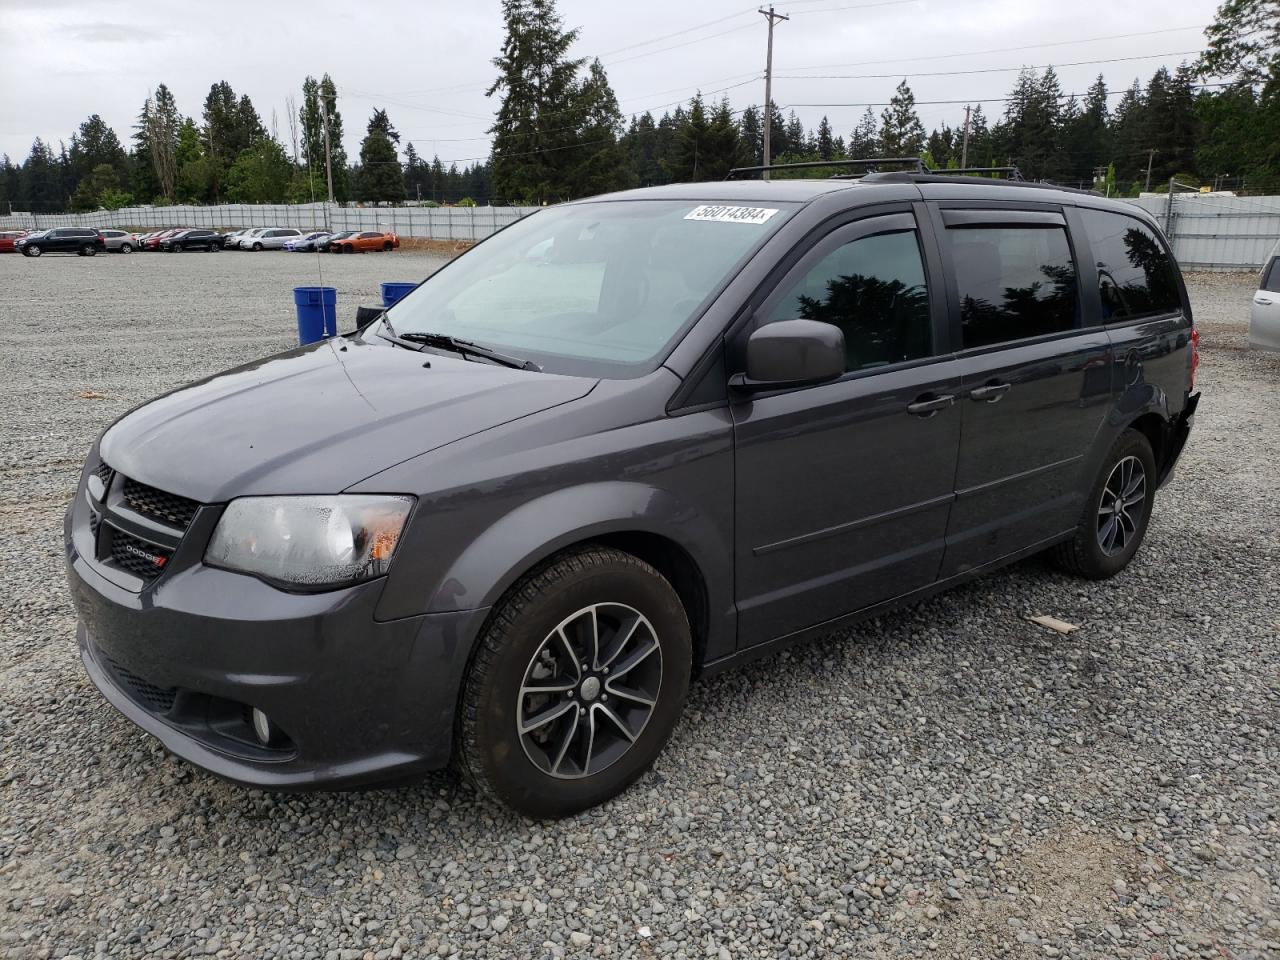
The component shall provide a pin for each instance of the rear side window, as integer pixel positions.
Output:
(1135, 275)
(1014, 282)
(1271, 276)
(873, 289)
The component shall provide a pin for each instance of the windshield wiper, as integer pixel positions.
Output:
(442, 341)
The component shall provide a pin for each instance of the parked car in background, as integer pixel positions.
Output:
(366, 241)
(305, 243)
(8, 238)
(273, 239)
(118, 241)
(325, 243)
(153, 242)
(79, 240)
(656, 434)
(206, 240)
(1264, 320)
(231, 240)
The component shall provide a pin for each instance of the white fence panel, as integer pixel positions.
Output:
(1217, 233)
(439, 223)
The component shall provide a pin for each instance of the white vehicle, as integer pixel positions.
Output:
(241, 239)
(272, 239)
(1264, 322)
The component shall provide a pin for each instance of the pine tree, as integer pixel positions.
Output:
(600, 163)
(750, 137)
(142, 171)
(381, 178)
(93, 145)
(901, 133)
(864, 141)
(230, 126)
(641, 142)
(826, 145)
(534, 133)
(39, 183)
(1127, 135)
(162, 121)
(310, 118)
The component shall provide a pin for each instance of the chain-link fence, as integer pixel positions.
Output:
(437, 223)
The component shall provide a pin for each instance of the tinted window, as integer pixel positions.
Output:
(1014, 282)
(369, 236)
(1135, 275)
(1271, 277)
(873, 289)
(599, 289)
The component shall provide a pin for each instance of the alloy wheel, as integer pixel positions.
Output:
(589, 690)
(1123, 501)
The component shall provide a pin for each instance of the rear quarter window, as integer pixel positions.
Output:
(1271, 276)
(1013, 282)
(1136, 276)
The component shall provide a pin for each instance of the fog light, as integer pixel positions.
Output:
(263, 728)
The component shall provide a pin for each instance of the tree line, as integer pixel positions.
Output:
(227, 155)
(559, 134)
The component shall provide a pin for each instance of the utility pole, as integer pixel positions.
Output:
(964, 150)
(768, 84)
(1151, 155)
(328, 157)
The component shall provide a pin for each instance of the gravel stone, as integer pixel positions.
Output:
(907, 787)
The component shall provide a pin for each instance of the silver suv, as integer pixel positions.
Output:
(118, 241)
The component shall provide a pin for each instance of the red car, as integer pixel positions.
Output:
(7, 237)
(153, 241)
(369, 240)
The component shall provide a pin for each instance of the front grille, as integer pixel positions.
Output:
(138, 557)
(105, 473)
(168, 508)
(95, 520)
(158, 699)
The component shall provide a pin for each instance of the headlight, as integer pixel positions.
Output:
(313, 542)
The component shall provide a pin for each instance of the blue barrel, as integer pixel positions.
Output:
(316, 316)
(391, 292)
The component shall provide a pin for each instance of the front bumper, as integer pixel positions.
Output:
(186, 658)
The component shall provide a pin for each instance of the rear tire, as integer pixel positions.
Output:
(543, 725)
(1116, 511)
(126, 248)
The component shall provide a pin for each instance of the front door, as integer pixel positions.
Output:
(843, 489)
(1036, 382)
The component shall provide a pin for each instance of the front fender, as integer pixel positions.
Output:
(539, 528)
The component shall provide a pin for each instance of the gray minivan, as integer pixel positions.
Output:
(625, 442)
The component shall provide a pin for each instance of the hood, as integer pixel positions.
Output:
(320, 418)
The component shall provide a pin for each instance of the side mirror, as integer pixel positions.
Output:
(791, 353)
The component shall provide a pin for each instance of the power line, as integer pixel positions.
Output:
(978, 53)
(1061, 96)
(958, 73)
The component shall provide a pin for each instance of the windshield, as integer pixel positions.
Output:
(596, 289)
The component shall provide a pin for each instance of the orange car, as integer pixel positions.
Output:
(360, 242)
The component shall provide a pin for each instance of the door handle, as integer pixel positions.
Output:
(990, 393)
(927, 405)
(1263, 301)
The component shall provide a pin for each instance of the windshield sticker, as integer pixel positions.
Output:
(717, 213)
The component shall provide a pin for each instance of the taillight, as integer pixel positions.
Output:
(1195, 355)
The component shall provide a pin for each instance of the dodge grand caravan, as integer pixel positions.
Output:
(624, 442)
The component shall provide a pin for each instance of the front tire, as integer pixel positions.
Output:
(386, 247)
(126, 248)
(1116, 512)
(32, 252)
(576, 683)
(257, 248)
(88, 250)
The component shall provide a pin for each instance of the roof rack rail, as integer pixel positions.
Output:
(1011, 172)
(871, 163)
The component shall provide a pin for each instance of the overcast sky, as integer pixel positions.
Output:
(428, 62)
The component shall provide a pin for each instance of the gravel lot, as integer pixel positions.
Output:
(949, 781)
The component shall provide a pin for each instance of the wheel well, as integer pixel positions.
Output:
(680, 570)
(1153, 427)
